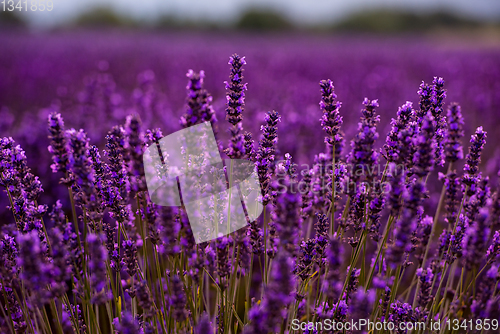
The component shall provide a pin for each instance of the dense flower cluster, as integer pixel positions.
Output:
(106, 259)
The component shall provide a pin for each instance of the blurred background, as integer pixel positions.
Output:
(99, 60)
(328, 15)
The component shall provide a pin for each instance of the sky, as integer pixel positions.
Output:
(301, 11)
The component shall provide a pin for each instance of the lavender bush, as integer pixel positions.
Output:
(361, 232)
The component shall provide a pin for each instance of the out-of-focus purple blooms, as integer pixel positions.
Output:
(475, 241)
(244, 251)
(478, 139)
(144, 298)
(486, 290)
(169, 231)
(267, 316)
(36, 271)
(331, 120)
(61, 263)
(494, 249)
(361, 306)
(235, 104)
(452, 144)
(393, 146)
(97, 266)
(265, 154)
(204, 325)
(334, 257)
(66, 325)
(319, 192)
(375, 209)
(150, 217)
(424, 295)
(363, 155)
(223, 265)
(58, 146)
(425, 144)
(134, 147)
(127, 325)
(178, 300)
(304, 187)
(397, 188)
(403, 230)
(288, 219)
(406, 224)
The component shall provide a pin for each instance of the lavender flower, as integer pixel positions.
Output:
(223, 265)
(97, 267)
(438, 95)
(80, 166)
(475, 241)
(321, 240)
(456, 239)
(452, 197)
(144, 298)
(361, 305)
(396, 183)
(235, 105)
(127, 325)
(494, 249)
(58, 145)
(61, 264)
(335, 258)
(268, 316)
(331, 119)
(401, 313)
(288, 219)
(363, 156)
(352, 283)
(305, 262)
(452, 144)
(394, 144)
(265, 154)
(115, 151)
(424, 295)
(474, 157)
(204, 325)
(425, 147)
(36, 272)
(134, 146)
(249, 146)
(425, 92)
(178, 299)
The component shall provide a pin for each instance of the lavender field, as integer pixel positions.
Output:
(377, 160)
